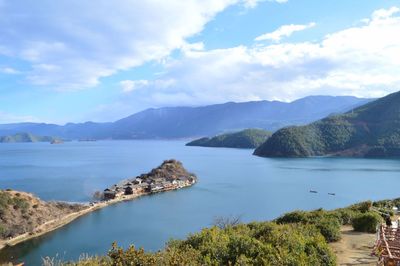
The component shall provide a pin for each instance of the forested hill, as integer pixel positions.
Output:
(372, 130)
(247, 139)
(26, 137)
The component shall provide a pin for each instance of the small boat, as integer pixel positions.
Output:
(332, 194)
(313, 191)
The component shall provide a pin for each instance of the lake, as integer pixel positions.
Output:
(232, 182)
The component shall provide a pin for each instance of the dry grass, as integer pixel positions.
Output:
(23, 212)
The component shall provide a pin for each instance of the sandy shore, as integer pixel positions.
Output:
(60, 222)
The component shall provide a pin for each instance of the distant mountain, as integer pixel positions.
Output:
(27, 137)
(183, 122)
(247, 139)
(370, 130)
(180, 122)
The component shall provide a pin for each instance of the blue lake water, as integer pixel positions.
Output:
(232, 182)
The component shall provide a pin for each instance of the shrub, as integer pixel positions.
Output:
(264, 243)
(21, 204)
(225, 222)
(328, 223)
(293, 217)
(362, 206)
(345, 216)
(329, 228)
(366, 222)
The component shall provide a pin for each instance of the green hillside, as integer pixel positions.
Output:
(249, 138)
(26, 137)
(372, 130)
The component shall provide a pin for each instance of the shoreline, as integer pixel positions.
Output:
(55, 224)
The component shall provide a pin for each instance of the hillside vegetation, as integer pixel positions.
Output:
(26, 137)
(372, 130)
(295, 238)
(249, 139)
(22, 212)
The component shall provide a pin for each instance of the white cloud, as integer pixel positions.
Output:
(12, 118)
(284, 31)
(130, 85)
(9, 70)
(362, 61)
(254, 3)
(71, 44)
(385, 13)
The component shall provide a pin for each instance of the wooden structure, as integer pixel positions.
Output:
(387, 246)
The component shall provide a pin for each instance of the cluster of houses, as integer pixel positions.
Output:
(146, 185)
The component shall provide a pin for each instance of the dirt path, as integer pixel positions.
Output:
(354, 248)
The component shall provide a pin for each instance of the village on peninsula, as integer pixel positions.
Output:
(170, 175)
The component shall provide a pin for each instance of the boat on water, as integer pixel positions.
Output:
(313, 191)
(332, 194)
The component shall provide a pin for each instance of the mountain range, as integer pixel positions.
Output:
(185, 122)
(371, 130)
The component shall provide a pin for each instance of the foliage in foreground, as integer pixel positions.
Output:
(258, 243)
(295, 238)
(367, 222)
(359, 215)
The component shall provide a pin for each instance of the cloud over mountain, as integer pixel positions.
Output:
(362, 60)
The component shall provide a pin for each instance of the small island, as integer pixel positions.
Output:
(245, 139)
(24, 216)
(28, 138)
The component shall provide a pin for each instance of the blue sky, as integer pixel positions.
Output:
(96, 60)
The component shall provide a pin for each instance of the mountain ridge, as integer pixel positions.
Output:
(184, 122)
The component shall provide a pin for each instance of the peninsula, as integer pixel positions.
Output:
(24, 216)
(169, 175)
(245, 139)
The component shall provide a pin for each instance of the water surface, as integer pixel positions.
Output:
(232, 182)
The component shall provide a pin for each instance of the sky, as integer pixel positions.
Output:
(82, 60)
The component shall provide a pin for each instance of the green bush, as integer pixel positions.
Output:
(293, 217)
(329, 228)
(362, 206)
(264, 243)
(345, 216)
(366, 222)
(328, 223)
